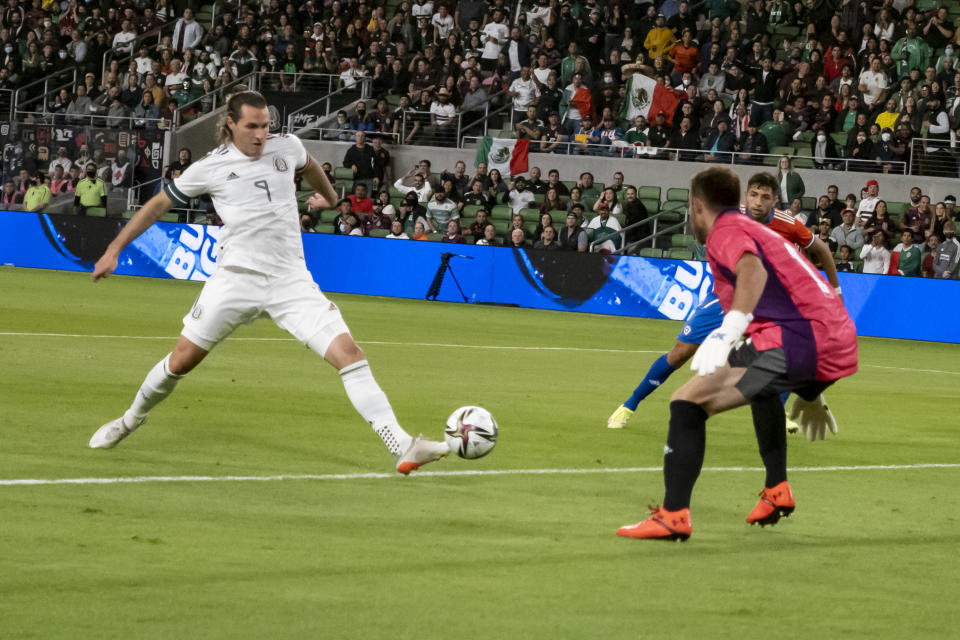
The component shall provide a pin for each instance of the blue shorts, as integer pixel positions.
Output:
(706, 317)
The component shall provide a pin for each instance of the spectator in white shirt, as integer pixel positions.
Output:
(519, 197)
(187, 32)
(348, 78)
(525, 93)
(420, 186)
(875, 256)
(61, 161)
(144, 62)
(873, 83)
(495, 35)
(123, 41)
(396, 231)
(176, 76)
(442, 23)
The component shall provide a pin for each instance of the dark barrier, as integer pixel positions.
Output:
(884, 306)
(34, 146)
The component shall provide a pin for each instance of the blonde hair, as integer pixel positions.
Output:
(234, 111)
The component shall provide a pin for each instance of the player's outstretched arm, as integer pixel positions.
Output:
(140, 222)
(314, 175)
(821, 254)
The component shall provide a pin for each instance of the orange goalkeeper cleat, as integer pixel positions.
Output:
(774, 503)
(661, 525)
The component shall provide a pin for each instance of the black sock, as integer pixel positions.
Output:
(770, 424)
(683, 457)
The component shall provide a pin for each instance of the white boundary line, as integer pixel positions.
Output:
(416, 344)
(440, 474)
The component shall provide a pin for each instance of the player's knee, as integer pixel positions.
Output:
(681, 352)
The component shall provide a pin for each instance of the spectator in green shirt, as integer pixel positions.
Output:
(588, 191)
(911, 258)
(37, 196)
(91, 192)
(911, 52)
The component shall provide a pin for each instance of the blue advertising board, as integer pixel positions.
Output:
(884, 306)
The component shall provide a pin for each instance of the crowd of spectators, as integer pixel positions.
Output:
(486, 208)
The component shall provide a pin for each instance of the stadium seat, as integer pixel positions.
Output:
(343, 173)
(802, 163)
(170, 216)
(569, 184)
(559, 216)
(379, 233)
(539, 197)
(502, 226)
(99, 212)
(680, 254)
(328, 215)
(434, 237)
(470, 211)
(501, 212)
(897, 208)
(530, 215)
(681, 241)
(839, 139)
(530, 226)
(808, 203)
(676, 194)
(652, 205)
(651, 253)
(323, 227)
(652, 193)
(782, 150)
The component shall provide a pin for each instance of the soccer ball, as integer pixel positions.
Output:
(471, 432)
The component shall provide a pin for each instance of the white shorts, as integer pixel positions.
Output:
(234, 297)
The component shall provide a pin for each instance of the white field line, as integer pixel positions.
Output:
(416, 344)
(440, 474)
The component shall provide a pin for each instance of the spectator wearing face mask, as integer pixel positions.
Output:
(91, 192)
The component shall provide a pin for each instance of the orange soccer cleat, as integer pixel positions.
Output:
(774, 503)
(661, 525)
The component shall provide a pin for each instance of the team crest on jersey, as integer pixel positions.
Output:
(279, 164)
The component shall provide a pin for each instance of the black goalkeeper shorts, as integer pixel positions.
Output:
(766, 374)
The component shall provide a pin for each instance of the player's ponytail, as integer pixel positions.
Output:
(234, 111)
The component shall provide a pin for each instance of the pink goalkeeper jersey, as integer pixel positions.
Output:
(798, 310)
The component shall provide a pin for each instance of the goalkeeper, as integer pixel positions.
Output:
(759, 200)
(799, 338)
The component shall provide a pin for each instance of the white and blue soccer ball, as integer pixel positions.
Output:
(471, 432)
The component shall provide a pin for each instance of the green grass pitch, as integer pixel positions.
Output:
(868, 553)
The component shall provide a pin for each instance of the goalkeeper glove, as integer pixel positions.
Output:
(814, 417)
(713, 352)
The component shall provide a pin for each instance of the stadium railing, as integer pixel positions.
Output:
(934, 157)
(321, 108)
(662, 223)
(96, 120)
(40, 90)
(215, 98)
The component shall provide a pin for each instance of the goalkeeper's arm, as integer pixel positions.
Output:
(140, 222)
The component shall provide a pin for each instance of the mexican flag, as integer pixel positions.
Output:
(509, 157)
(647, 98)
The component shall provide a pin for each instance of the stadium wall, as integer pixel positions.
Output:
(883, 306)
(645, 171)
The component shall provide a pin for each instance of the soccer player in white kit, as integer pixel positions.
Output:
(261, 272)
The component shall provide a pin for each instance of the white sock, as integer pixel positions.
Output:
(158, 384)
(371, 402)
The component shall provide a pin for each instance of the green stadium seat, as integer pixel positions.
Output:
(680, 254)
(652, 205)
(379, 233)
(651, 253)
(808, 203)
(839, 139)
(530, 215)
(323, 227)
(569, 184)
(897, 208)
(530, 226)
(675, 194)
(652, 193)
(539, 197)
(343, 173)
(328, 215)
(501, 212)
(502, 226)
(775, 134)
(681, 240)
(470, 211)
(99, 212)
(782, 150)
(803, 163)
(674, 205)
(434, 237)
(559, 216)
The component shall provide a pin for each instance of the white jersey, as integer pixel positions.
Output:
(255, 198)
